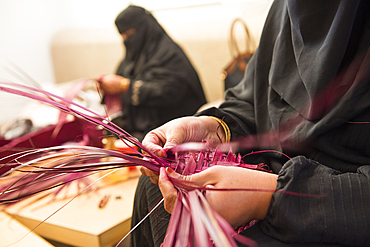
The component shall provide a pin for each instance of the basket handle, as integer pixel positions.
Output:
(233, 44)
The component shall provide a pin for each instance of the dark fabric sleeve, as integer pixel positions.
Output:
(151, 232)
(255, 232)
(168, 77)
(160, 90)
(340, 215)
(236, 126)
(238, 110)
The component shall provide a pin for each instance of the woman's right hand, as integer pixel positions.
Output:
(113, 84)
(181, 130)
(237, 207)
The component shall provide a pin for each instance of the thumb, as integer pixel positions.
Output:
(188, 182)
(100, 77)
(175, 134)
(171, 142)
(168, 190)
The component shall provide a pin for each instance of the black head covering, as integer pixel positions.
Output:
(150, 46)
(147, 35)
(164, 83)
(309, 64)
(131, 17)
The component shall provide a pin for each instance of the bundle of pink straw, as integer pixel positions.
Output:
(193, 222)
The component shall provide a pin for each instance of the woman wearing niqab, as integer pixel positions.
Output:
(162, 83)
(308, 84)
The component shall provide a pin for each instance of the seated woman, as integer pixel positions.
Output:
(308, 85)
(156, 81)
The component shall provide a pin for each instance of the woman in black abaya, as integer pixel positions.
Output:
(156, 80)
(309, 84)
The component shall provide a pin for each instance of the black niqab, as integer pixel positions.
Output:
(169, 85)
(147, 36)
(309, 52)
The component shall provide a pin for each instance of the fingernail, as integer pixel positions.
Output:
(169, 170)
(160, 153)
(162, 172)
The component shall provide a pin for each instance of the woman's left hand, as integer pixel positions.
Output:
(236, 207)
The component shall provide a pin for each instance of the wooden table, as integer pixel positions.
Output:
(15, 234)
(81, 222)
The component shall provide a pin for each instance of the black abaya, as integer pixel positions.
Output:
(309, 81)
(312, 67)
(164, 84)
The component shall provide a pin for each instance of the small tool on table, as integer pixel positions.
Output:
(104, 201)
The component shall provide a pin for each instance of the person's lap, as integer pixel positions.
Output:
(152, 231)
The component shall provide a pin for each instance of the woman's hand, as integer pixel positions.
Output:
(113, 84)
(181, 130)
(237, 207)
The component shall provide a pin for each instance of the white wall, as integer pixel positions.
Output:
(27, 29)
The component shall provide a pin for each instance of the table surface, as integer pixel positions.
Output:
(80, 222)
(14, 234)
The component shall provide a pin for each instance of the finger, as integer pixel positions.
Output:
(208, 193)
(188, 181)
(153, 176)
(153, 141)
(171, 142)
(168, 190)
(171, 173)
(201, 179)
(154, 180)
(99, 78)
(174, 137)
(147, 172)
